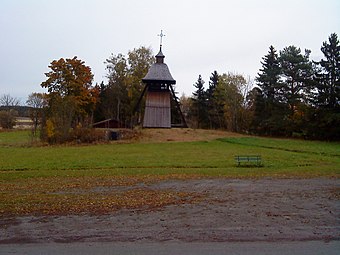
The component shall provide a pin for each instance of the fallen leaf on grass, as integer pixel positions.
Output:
(57, 196)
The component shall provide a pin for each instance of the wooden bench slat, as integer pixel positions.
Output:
(248, 158)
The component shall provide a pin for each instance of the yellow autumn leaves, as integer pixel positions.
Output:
(86, 195)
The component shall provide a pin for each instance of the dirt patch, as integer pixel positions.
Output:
(230, 210)
(182, 135)
(159, 135)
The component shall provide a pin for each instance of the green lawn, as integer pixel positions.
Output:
(65, 179)
(15, 138)
(281, 157)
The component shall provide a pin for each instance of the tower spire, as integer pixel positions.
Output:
(160, 56)
(161, 39)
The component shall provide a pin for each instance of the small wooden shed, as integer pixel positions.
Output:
(109, 123)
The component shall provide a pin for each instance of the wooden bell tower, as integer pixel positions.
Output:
(159, 93)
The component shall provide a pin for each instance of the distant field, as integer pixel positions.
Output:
(28, 172)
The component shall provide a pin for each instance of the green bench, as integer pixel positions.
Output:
(248, 159)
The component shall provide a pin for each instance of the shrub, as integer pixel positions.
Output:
(7, 119)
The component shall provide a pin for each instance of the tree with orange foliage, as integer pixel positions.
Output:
(71, 98)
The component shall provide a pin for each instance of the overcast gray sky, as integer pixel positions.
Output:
(201, 35)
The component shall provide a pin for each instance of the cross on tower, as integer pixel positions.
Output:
(161, 36)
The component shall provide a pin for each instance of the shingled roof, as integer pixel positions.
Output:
(159, 72)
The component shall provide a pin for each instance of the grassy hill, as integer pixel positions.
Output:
(174, 151)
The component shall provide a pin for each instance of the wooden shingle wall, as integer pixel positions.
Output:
(157, 110)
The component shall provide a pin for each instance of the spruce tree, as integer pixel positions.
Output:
(324, 118)
(212, 84)
(211, 101)
(199, 103)
(269, 115)
(256, 105)
(328, 79)
(269, 77)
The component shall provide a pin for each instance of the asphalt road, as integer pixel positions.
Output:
(173, 247)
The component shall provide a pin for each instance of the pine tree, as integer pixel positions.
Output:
(297, 71)
(297, 89)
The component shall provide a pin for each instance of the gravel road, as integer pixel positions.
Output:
(231, 211)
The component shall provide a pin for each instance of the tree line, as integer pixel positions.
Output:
(290, 96)
(293, 96)
(73, 104)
